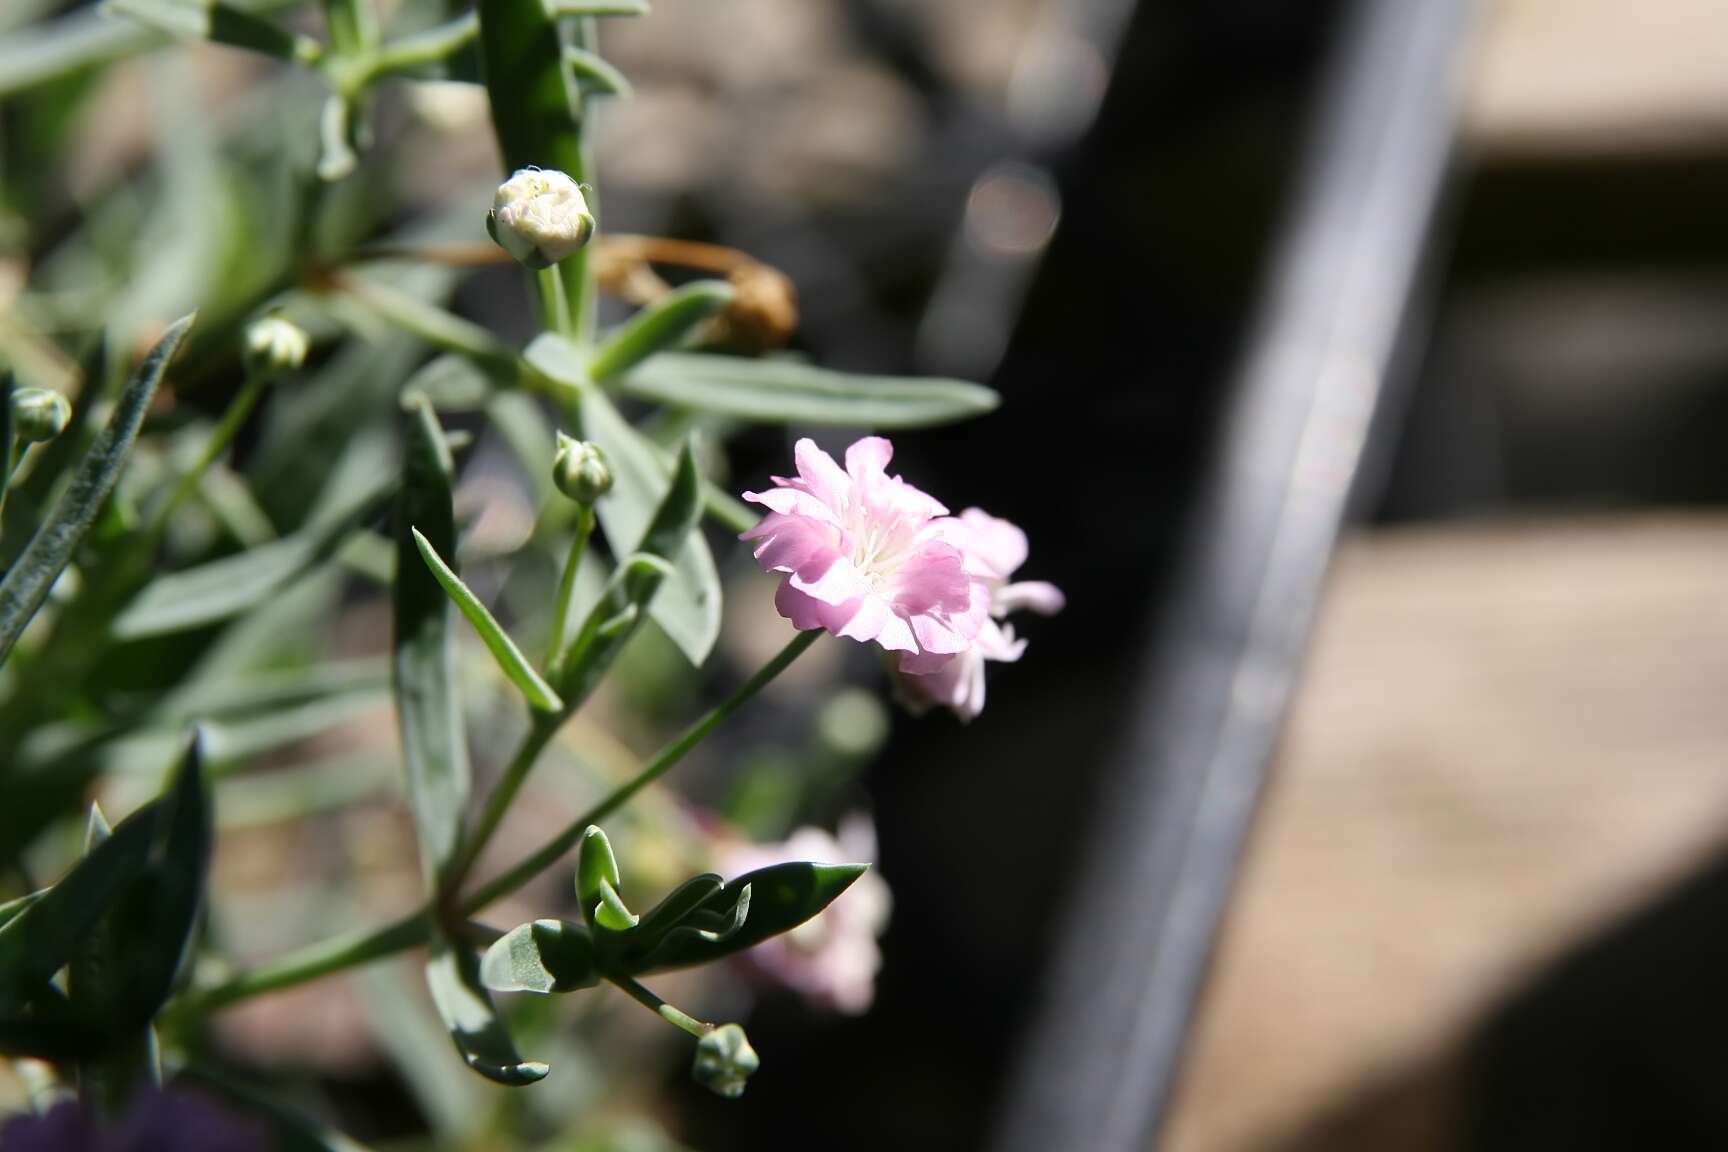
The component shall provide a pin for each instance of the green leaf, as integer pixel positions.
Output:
(679, 903)
(428, 709)
(543, 956)
(106, 1082)
(155, 917)
(658, 327)
(219, 22)
(595, 866)
(12, 909)
(787, 392)
(511, 662)
(453, 974)
(780, 898)
(233, 585)
(34, 56)
(39, 941)
(26, 586)
(596, 75)
(446, 51)
(147, 879)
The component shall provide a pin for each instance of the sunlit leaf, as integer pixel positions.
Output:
(453, 974)
(781, 897)
(511, 662)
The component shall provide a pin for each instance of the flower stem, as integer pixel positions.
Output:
(567, 590)
(229, 427)
(671, 1013)
(549, 290)
(536, 863)
(541, 729)
(357, 948)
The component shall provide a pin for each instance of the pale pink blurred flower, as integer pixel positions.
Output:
(995, 549)
(868, 556)
(832, 959)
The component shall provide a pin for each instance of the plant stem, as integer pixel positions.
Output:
(536, 863)
(356, 948)
(567, 590)
(229, 427)
(668, 1012)
(542, 726)
(554, 312)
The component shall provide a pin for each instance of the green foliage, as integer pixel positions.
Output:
(216, 555)
(428, 708)
(702, 920)
(30, 579)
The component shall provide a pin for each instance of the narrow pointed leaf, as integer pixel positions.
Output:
(680, 902)
(428, 709)
(781, 897)
(107, 1082)
(27, 585)
(37, 942)
(453, 974)
(156, 915)
(219, 22)
(659, 327)
(511, 662)
(775, 391)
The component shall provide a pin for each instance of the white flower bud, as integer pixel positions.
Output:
(539, 216)
(275, 347)
(39, 414)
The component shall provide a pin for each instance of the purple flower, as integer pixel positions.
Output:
(166, 1121)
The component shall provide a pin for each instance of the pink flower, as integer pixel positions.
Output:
(832, 959)
(995, 550)
(868, 556)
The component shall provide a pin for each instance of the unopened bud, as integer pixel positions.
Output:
(725, 1061)
(580, 470)
(39, 414)
(275, 347)
(539, 216)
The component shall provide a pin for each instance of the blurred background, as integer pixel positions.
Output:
(1484, 903)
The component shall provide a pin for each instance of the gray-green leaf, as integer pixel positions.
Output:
(27, 585)
(776, 391)
(428, 709)
(780, 898)
(511, 662)
(542, 956)
(453, 974)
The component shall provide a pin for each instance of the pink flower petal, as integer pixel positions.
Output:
(1033, 595)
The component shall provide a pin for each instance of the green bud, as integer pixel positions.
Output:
(274, 347)
(39, 414)
(580, 471)
(725, 1061)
